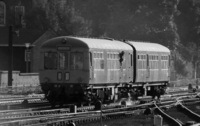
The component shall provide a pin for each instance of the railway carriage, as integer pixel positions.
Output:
(74, 69)
(71, 67)
(152, 65)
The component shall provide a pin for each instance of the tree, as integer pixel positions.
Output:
(188, 23)
(59, 16)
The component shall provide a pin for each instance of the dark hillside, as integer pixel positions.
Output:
(173, 23)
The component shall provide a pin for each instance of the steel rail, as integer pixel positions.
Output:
(89, 114)
(170, 120)
(15, 102)
(28, 121)
(90, 118)
(9, 98)
(188, 112)
(49, 117)
(30, 113)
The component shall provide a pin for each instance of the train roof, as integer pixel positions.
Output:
(105, 43)
(150, 47)
(91, 43)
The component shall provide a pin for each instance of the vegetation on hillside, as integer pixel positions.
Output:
(173, 23)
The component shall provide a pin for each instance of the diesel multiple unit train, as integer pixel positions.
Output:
(75, 69)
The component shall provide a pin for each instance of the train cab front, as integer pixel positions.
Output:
(64, 70)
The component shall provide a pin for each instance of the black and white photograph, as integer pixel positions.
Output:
(99, 62)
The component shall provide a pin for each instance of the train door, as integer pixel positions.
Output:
(147, 69)
(130, 69)
(169, 67)
(63, 64)
(63, 75)
(91, 66)
(121, 66)
(99, 67)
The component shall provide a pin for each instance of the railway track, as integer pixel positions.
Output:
(18, 102)
(9, 115)
(21, 101)
(41, 105)
(81, 117)
(9, 100)
(178, 114)
(62, 116)
(39, 116)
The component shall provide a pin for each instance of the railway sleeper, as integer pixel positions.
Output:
(189, 101)
(93, 118)
(104, 116)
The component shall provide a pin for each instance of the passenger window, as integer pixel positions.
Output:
(59, 76)
(76, 61)
(63, 60)
(90, 59)
(95, 55)
(111, 56)
(102, 64)
(101, 56)
(131, 60)
(147, 60)
(50, 60)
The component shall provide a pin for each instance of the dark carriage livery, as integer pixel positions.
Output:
(75, 69)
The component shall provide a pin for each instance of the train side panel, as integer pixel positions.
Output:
(97, 67)
(165, 67)
(152, 63)
(111, 67)
(152, 67)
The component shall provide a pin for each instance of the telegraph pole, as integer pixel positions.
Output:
(10, 45)
(19, 13)
(10, 41)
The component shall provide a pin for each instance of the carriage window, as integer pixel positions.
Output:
(99, 61)
(131, 60)
(50, 60)
(101, 64)
(90, 59)
(147, 60)
(95, 55)
(76, 61)
(63, 60)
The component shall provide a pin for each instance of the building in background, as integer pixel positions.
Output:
(13, 13)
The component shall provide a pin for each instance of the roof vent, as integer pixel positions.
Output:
(64, 41)
(108, 38)
(124, 40)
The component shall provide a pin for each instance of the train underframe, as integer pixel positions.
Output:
(87, 94)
